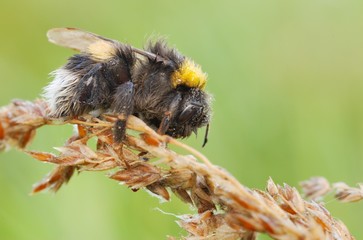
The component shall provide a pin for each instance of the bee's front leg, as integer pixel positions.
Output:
(165, 123)
(169, 115)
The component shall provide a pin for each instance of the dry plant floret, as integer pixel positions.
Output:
(226, 208)
(318, 187)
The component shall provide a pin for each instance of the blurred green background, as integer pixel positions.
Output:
(287, 78)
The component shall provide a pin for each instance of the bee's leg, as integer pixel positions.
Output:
(120, 128)
(122, 105)
(93, 90)
(165, 122)
(169, 114)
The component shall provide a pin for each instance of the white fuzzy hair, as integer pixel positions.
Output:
(59, 93)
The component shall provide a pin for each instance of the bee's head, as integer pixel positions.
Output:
(193, 112)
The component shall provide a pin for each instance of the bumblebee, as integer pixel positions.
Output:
(157, 84)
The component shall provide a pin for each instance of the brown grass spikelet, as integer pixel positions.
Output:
(138, 175)
(55, 179)
(345, 193)
(225, 209)
(319, 187)
(19, 120)
(315, 187)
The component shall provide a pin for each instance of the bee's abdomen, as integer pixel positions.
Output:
(59, 94)
(85, 84)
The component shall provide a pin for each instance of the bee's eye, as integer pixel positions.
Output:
(190, 111)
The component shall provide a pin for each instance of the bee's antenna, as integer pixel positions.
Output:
(206, 135)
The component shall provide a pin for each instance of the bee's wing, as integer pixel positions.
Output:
(74, 38)
(80, 40)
